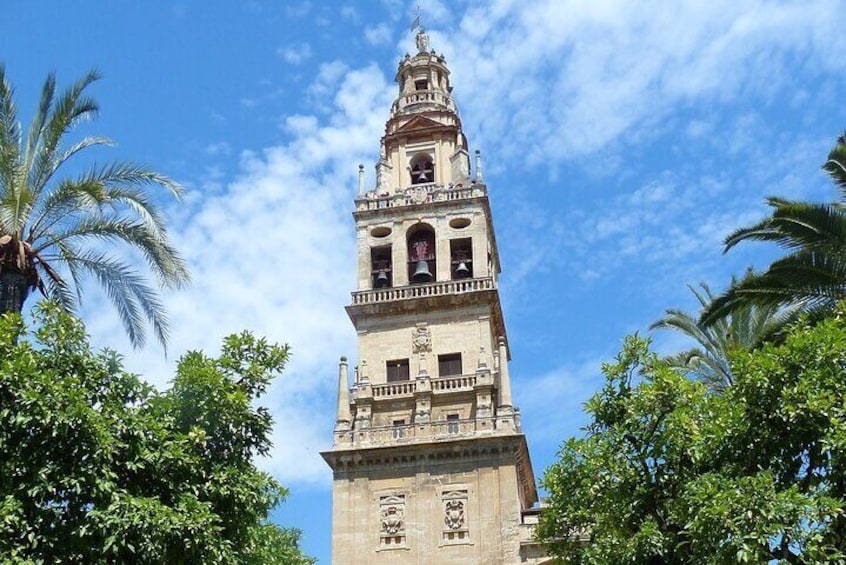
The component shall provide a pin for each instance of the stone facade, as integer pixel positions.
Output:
(429, 461)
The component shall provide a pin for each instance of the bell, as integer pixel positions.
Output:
(421, 177)
(462, 271)
(381, 280)
(421, 272)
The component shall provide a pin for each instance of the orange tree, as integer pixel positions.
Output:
(98, 467)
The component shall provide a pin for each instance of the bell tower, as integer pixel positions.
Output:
(429, 461)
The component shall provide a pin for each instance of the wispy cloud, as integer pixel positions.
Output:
(379, 34)
(274, 251)
(295, 54)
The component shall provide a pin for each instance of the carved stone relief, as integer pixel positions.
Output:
(392, 521)
(421, 339)
(455, 529)
(454, 514)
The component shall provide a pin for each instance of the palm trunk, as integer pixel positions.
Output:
(14, 290)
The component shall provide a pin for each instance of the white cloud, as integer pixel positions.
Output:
(379, 34)
(571, 77)
(273, 251)
(219, 148)
(295, 54)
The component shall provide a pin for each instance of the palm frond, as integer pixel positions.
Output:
(796, 225)
(161, 257)
(59, 227)
(133, 298)
(10, 136)
(39, 120)
(746, 326)
(66, 111)
(835, 165)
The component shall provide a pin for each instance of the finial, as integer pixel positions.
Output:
(422, 38)
(360, 179)
(478, 165)
(416, 22)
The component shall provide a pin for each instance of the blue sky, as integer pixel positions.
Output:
(621, 142)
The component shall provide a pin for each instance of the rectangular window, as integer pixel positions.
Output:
(452, 424)
(399, 429)
(449, 364)
(397, 370)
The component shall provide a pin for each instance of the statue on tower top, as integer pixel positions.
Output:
(422, 38)
(422, 41)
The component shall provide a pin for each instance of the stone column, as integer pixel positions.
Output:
(484, 394)
(363, 399)
(505, 405)
(344, 418)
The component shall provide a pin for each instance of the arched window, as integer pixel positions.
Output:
(421, 254)
(422, 169)
(381, 268)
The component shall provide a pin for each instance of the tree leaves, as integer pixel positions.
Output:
(671, 473)
(96, 466)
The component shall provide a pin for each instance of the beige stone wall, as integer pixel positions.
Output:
(490, 533)
(462, 330)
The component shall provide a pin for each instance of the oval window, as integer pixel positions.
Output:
(381, 231)
(459, 223)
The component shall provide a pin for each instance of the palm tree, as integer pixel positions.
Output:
(56, 230)
(746, 328)
(812, 276)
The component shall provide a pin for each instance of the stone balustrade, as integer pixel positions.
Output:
(394, 390)
(410, 433)
(442, 385)
(419, 194)
(415, 97)
(454, 384)
(422, 290)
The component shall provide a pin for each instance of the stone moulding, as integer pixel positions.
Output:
(352, 462)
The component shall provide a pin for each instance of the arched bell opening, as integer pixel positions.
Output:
(461, 258)
(422, 169)
(421, 254)
(381, 267)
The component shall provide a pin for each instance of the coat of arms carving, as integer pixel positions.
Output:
(421, 339)
(392, 519)
(454, 514)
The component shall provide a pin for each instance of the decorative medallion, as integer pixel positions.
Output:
(419, 194)
(421, 339)
(454, 514)
(392, 520)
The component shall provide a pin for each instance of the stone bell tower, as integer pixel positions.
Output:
(429, 462)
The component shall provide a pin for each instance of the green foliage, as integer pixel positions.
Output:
(52, 228)
(98, 467)
(745, 327)
(669, 472)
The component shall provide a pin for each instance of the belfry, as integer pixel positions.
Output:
(429, 461)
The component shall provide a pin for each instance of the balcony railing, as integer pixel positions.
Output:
(422, 290)
(439, 385)
(407, 433)
(423, 97)
(394, 390)
(419, 194)
(454, 384)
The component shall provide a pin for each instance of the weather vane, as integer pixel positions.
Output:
(416, 22)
